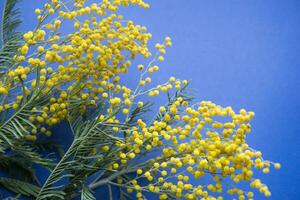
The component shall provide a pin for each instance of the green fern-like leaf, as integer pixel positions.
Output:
(14, 127)
(88, 135)
(19, 187)
(29, 153)
(10, 20)
(17, 168)
(10, 39)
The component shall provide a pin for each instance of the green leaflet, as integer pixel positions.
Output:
(10, 39)
(19, 187)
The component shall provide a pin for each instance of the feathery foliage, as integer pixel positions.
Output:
(19, 187)
(10, 38)
(10, 20)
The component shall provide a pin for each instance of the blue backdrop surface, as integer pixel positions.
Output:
(244, 53)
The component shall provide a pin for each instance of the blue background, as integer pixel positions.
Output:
(243, 53)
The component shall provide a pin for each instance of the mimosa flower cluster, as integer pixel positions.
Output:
(83, 67)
